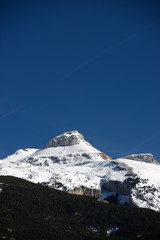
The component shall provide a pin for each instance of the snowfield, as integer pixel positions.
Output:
(73, 166)
(69, 167)
(20, 154)
(144, 170)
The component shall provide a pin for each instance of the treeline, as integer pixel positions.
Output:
(31, 211)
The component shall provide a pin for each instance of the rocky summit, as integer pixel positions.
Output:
(142, 157)
(66, 139)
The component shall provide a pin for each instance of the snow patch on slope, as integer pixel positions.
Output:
(20, 154)
(144, 170)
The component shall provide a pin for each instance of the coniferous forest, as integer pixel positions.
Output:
(31, 211)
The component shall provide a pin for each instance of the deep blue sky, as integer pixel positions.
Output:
(93, 66)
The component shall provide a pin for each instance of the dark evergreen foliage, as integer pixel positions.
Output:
(32, 211)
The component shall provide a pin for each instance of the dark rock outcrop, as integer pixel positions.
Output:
(123, 188)
(119, 193)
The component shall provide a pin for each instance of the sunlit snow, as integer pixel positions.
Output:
(83, 165)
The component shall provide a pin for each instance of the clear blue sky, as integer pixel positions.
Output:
(91, 66)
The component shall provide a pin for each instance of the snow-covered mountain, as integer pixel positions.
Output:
(70, 163)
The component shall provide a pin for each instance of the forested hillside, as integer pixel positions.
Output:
(31, 211)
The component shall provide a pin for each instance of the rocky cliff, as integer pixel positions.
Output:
(82, 190)
(147, 157)
(66, 139)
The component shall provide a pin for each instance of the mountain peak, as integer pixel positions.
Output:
(66, 139)
(69, 163)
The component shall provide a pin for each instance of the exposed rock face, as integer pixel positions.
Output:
(117, 192)
(105, 157)
(142, 158)
(66, 139)
(86, 191)
(119, 187)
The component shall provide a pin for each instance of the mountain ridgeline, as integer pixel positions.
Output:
(70, 164)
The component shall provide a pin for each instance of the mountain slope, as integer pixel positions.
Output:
(20, 154)
(31, 211)
(146, 193)
(71, 164)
